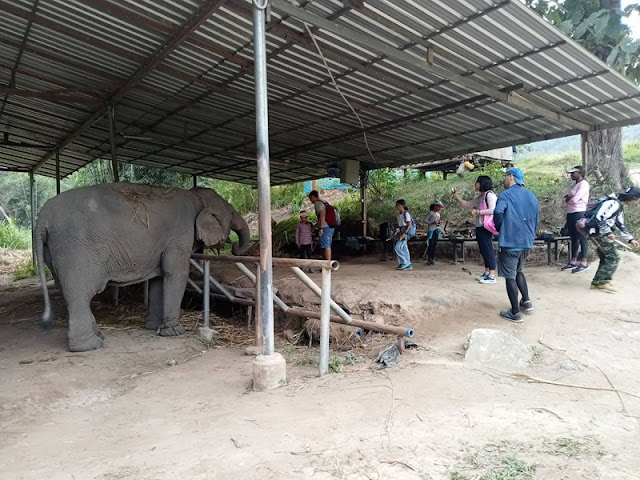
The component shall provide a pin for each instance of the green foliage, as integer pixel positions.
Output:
(243, 197)
(631, 152)
(600, 30)
(288, 195)
(335, 365)
(27, 270)
(14, 237)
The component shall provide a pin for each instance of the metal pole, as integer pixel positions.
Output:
(258, 317)
(315, 289)
(363, 202)
(195, 181)
(33, 217)
(57, 172)
(325, 321)
(283, 306)
(206, 294)
(265, 276)
(112, 140)
(212, 280)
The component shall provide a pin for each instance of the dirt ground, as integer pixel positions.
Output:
(166, 408)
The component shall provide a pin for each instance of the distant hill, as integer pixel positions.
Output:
(571, 144)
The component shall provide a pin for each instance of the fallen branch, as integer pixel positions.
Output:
(624, 407)
(530, 379)
(398, 462)
(543, 409)
(549, 346)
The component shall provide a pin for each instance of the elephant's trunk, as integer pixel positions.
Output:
(241, 228)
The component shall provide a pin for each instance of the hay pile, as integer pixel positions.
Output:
(11, 259)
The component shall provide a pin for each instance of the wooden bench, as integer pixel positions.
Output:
(538, 241)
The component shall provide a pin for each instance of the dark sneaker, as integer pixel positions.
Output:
(400, 267)
(569, 266)
(512, 317)
(408, 267)
(526, 306)
(580, 269)
(483, 276)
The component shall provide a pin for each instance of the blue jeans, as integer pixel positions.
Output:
(402, 252)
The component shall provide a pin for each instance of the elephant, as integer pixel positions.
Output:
(125, 233)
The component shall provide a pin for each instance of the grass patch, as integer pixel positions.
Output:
(335, 365)
(631, 152)
(512, 468)
(536, 354)
(13, 237)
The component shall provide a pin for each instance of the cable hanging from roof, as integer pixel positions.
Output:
(335, 84)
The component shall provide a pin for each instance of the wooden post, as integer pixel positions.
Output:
(57, 172)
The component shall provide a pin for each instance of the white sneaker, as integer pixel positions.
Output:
(479, 278)
(489, 279)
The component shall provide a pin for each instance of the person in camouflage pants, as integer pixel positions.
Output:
(609, 260)
(600, 223)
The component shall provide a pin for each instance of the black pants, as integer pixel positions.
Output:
(577, 239)
(433, 241)
(305, 251)
(485, 244)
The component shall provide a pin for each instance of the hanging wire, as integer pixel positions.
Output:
(335, 84)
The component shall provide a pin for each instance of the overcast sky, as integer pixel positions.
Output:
(634, 20)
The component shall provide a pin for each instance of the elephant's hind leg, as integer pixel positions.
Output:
(156, 309)
(83, 331)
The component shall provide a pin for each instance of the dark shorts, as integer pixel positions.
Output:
(510, 262)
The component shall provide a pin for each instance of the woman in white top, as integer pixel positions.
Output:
(482, 206)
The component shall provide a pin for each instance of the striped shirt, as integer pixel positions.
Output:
(303, 234)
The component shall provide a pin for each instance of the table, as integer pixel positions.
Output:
(455, 241)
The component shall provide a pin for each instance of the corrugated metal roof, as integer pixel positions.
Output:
(180, 75)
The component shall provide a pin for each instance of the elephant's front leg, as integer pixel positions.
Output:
(155, 317)
(175, 267)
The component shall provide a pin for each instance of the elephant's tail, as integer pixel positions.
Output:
(47, 316)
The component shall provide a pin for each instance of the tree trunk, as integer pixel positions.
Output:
(603, 151)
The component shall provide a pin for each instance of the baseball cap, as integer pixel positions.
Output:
(577, 168)
(517, 175)
(438, 203)
(630, 193)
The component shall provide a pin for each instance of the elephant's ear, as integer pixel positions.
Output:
(208, 228)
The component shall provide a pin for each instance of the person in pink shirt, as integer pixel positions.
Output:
(576, 202)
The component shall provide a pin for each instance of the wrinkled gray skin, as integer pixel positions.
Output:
(124, 234)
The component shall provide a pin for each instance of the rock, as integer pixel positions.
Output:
(206, 334)
(497, 349)
(289, 336)
(255, 351)
(171, 363)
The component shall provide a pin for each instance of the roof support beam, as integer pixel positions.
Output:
(200, 16)
(414, 61)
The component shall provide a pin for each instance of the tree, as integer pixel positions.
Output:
(597, 25)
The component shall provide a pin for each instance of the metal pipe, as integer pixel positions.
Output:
(278, 262)
(325, 321)
(316, 289)
(195, 181)
(301, 312)
(212, 280)
(32, 203)
(112, 140)
(265, 268)
(207, 291)
(243, 268)
(57, 171)
(363, 201)
(258, 321)
(195, 286)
